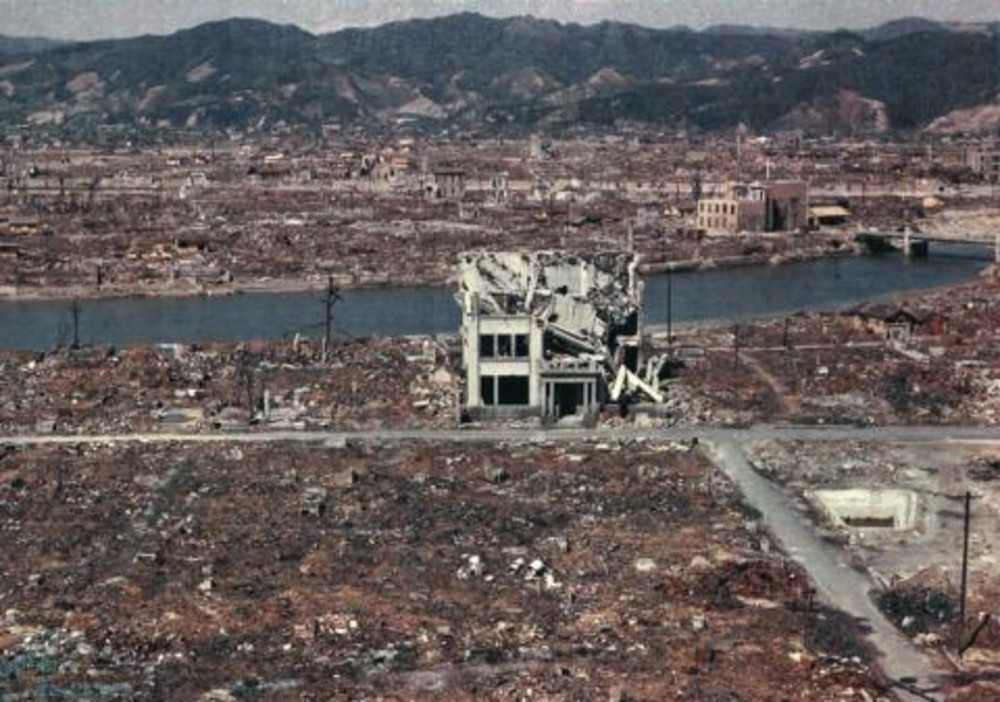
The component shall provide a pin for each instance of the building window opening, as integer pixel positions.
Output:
(512, 390)
(505, 349)
(521, 346)
(487, 346)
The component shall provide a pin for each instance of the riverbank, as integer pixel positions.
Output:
(185, 288)
(702, 264)
(813, 367)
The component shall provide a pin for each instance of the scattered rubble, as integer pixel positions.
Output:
(418, 580)
(284, 211)
(366, 383)
(907, 504)
(932, 359)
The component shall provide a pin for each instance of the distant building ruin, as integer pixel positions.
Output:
(500, 187)
(779, 206)
(548, 333)
(447, 184)
(984, 160)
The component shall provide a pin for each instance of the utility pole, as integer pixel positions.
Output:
(75, 310)
(736, 346)
(244, 379)
(965, 574)
(332, 298)
(670, 307)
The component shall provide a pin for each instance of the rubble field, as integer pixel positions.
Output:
(917, 565)
(278, 241)
(832, 367)
(842, 367)
(283, 213)
(622, 571)
(822, 367)
(364, 383)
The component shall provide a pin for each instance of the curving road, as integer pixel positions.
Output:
(907, 668)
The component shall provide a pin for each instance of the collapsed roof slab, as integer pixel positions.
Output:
(584, 294)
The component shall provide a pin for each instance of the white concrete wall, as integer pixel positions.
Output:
(476, 325)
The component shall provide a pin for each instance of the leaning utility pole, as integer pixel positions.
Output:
(332, 298)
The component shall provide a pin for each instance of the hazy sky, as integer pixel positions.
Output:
(88, 19)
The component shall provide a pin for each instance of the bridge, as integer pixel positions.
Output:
(918, 243)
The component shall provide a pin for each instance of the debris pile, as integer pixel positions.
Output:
(925, 603)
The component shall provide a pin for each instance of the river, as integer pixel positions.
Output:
(731, 294)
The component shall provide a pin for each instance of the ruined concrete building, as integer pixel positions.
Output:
(548, 333)
(756, 207)
(447, 184)
(984, 159)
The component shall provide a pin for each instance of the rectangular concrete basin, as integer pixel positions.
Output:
(860, 508)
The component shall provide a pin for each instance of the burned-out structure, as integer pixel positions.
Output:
(548, 333)
(773, 206)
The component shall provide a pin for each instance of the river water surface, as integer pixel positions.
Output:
(731, 294)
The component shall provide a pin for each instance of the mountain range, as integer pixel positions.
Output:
(519, 72)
